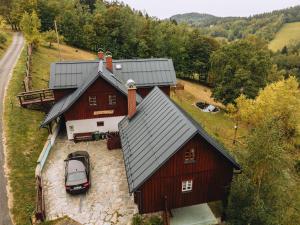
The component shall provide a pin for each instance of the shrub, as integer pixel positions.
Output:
(155, 220)
(2, 39)
(137, 219)
(297, 167)
(152, 220)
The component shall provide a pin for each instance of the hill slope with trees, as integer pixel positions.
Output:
(263, 25)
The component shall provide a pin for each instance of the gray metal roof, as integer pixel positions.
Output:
(145, 72)
(71, 74)
(65, 103)
(155, 133)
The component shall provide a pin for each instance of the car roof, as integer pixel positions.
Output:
(75, 166)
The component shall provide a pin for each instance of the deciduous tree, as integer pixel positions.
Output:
(30, 25)
(239, 67)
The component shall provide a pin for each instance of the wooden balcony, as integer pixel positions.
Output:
(36, 97)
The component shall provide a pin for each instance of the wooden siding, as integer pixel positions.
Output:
(60, 93)
(101, 89)
(144, 91)
(211, 174)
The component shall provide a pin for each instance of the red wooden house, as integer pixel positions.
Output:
(170, 160)
(91, 95)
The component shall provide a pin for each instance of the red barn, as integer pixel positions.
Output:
(91, 95)
(170, 160)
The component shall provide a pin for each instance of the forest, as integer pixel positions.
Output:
(243, 73)
(128, 33)
(263, 25)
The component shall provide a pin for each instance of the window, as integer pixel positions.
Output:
(189, 156)
(100, 123)
(112, 99)
(92, 100)
(187, 185)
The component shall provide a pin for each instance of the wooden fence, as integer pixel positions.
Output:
(27, 82)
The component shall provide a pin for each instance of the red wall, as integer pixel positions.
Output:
(101, 89)
(60, 93)
(144, 91)
(211, 173)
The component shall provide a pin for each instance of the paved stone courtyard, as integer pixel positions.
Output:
(106, 203)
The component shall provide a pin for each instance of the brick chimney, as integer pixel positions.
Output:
(109, 64)
(100, 54)
(131, 98)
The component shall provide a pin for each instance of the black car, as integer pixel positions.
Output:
(77, 172)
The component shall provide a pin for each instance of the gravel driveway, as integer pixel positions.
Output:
(107, 202)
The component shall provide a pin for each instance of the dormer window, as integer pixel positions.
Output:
(92, 100)
(118, 66)
(189, 156)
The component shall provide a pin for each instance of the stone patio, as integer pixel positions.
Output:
(106, 203)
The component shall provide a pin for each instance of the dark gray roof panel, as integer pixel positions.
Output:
(145, 72)
(155, 133)
(71, 74)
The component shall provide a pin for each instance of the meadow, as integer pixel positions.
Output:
(289, 33)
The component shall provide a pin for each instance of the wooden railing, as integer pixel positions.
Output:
(40, 213)
(35, 97)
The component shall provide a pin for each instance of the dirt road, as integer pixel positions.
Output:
(7, 64)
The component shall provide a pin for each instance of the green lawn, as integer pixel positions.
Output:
(219, 125)
(8, 34)
(288, 33)
(25, 139)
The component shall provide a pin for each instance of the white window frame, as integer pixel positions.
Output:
(112, 99)
(187, 185)
(93, 100)
(189, 155)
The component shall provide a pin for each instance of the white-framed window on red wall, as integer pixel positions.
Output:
(187, 185)
(189, 155)
(112, 99)
(92, 100)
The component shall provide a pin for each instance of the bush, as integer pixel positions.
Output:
(2, 39)
(297, 167)
(155, 220)
(137, 219)
(152, 220)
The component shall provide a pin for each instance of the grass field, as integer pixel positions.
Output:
(8, 34)
(219, 125)
(24, 139)
(288, 33)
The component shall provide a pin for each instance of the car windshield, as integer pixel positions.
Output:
(76, 176)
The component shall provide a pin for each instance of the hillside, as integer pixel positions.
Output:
(199, 19)
(263, 25)
(288, 34)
